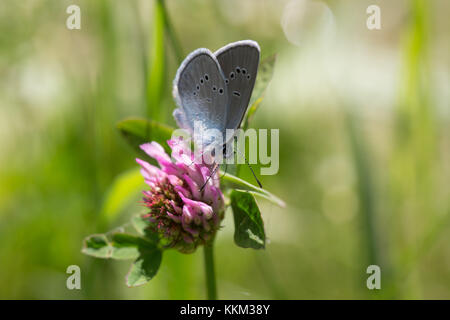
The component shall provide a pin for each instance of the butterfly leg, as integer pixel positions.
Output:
(216, 166)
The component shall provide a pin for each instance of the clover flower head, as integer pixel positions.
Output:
(179, 212)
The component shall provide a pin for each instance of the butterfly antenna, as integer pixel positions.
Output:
(251, 169)
(216, 166)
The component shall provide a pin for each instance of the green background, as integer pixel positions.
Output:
(364, 145)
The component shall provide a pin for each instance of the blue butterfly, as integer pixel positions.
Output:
(212, 91)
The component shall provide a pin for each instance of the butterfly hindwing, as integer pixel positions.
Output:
(239, 62)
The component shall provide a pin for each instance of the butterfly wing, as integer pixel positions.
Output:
(200, 92)
(239, 62)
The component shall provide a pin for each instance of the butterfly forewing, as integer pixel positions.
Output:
(201, 93)
(239, 62)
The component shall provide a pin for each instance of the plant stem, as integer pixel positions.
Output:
(171, 33)
(210, 273)
(156, 65)
(253, 189)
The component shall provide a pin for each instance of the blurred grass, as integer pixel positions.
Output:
(385, 158)
(155, 84)
(413, 172)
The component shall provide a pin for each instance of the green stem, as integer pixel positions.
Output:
(253, 189)
(172, 36)
(156, 65)
(209, 269)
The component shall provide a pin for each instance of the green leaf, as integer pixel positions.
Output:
(125, 246)
(250, 113)
(235, 181)
(97, 245)
(265, 73)
(121, 246)
(248, 225)
(138, 131)
(139, 223)
(144, 268)
(125, 188)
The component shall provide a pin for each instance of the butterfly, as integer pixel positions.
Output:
(213, 90)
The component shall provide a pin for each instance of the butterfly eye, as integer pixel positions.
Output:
(226, 81)
(248, 77)
(206, 77)
(221, 91)
(214, 88)
(195, 93)
(201, 80)
(244, 71)
(198, 87)
(232, 75)
(238, 70)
